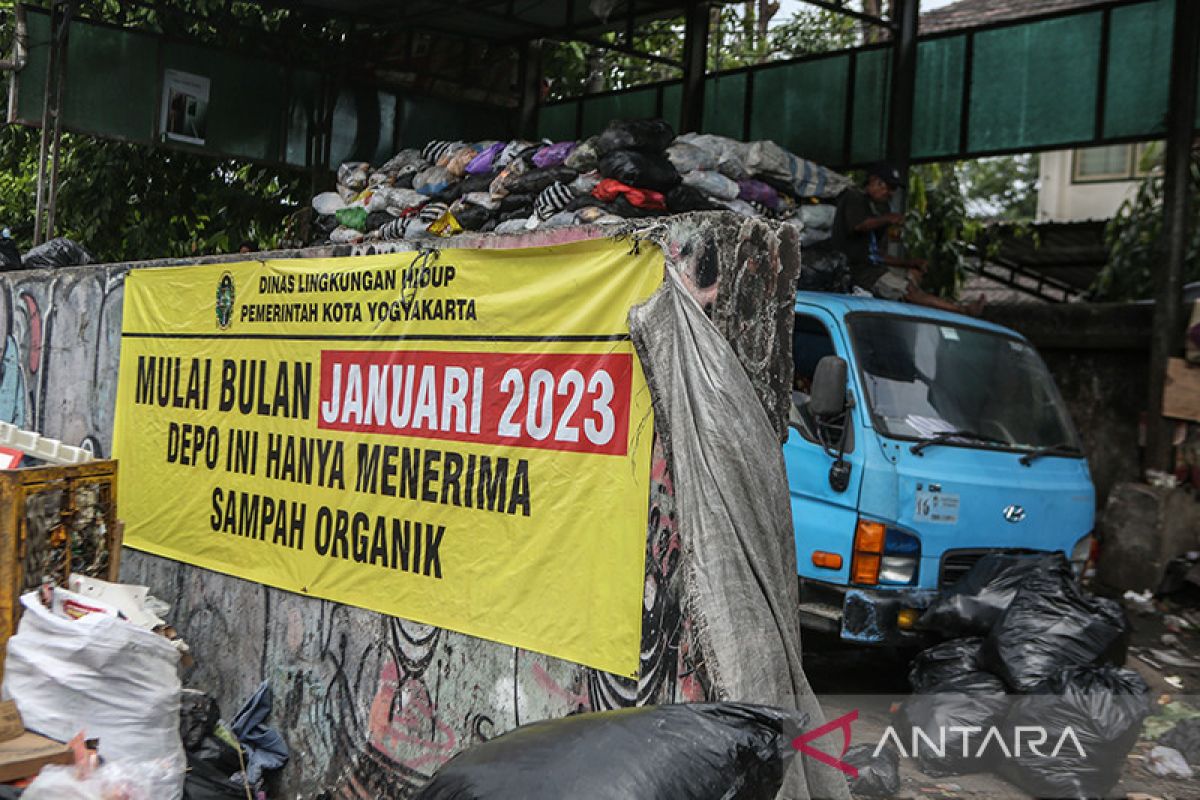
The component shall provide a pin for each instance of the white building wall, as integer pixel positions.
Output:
(1060, 200)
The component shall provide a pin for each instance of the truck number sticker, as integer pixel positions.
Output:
(937, 507)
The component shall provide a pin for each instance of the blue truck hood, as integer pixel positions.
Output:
(955, 498)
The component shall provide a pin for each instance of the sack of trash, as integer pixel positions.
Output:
(60, 252)
(703, 751)
(643, 135)
(113, 780)
(939, 663)
(1091, 717)
(115, 680)
(970, 700)
(878, 775)
(1050, 625)
(977, 600)
(823, 269)
(215, 768)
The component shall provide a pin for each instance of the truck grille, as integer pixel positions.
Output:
(957, 563)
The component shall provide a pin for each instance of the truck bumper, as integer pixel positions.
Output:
(862, 616)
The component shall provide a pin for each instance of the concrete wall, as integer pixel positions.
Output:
(1098, 355)
(371, 705)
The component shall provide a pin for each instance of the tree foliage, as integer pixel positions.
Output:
(938, 227)
(1136, 243)
(125, 201)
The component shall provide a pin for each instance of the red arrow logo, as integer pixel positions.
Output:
(802, 741)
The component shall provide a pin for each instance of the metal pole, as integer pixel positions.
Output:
(1181, 115)
(695, 58)
(47, 121)
(531, 88)
(904, 84)
(56, 140)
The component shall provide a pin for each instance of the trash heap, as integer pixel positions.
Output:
(1032, 651)
(633, 169)
(93, 699)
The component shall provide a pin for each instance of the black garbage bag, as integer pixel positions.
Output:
(643, 135)
(698, 751)
(1184, 737)
(1092, 717)
(477, 183)
(878, 775)
(688, 198)
(969, 700)
(823, 269)
(472, 218)
(517, 202)
(10, 256)
(943, 661)
(1052, 624)
(975, 602)
(60, 252)
(198, 715)
(535, 180)
(641, 170)
(377, 219)
(211, 767)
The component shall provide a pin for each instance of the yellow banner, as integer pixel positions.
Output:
(458, 438)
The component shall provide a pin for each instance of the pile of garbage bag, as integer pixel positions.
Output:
(699, 751)
(632, 169)
(1034, 652)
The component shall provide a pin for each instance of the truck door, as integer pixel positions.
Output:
(823, 518)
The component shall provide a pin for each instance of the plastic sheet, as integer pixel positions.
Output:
(1103, 707)
(739, 559)
(977, 600)
(717, 751)
(1050, 625)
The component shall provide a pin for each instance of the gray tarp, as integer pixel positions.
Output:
(735, 517)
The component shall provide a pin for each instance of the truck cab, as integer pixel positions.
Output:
(919, 441)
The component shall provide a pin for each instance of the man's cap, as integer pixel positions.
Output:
(886, 173)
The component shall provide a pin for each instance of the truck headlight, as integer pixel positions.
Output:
(901, 555)
(1080, 553)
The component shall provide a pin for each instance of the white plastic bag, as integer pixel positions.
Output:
(116, 779)
(101, 675)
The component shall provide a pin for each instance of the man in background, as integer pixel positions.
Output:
(860, 231)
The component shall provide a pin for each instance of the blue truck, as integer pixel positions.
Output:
(919, 441)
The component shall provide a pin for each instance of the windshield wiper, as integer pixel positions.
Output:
(945, 436)
(1062, 448)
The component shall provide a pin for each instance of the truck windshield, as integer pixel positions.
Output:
(925, 379)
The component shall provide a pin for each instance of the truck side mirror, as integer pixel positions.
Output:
(828, 396)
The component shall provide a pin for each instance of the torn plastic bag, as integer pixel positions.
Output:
(640, 170)
(116, 681)
(1052, 624)
(59, 252)
(977, 600)
(969, 700)
(1091, 717)
(937, 664)
(878, 775)
(824, 269)
(643, 135)
(706, 750)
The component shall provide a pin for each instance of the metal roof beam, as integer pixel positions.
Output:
(838, 8)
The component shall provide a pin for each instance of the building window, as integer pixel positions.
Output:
(1119, 162)
(1114, 163)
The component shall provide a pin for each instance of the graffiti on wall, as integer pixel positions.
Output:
(370, 705)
